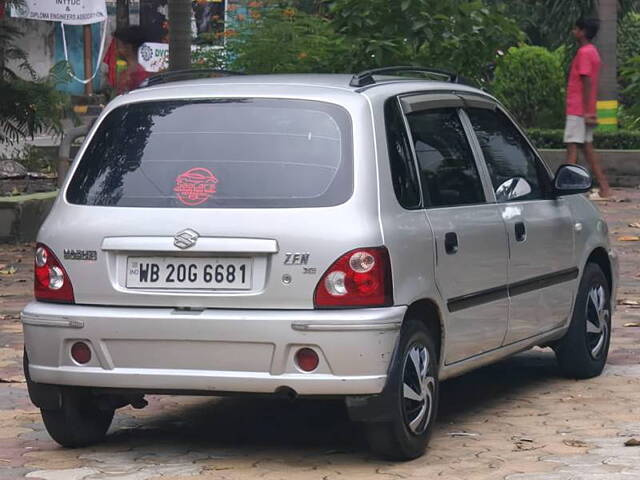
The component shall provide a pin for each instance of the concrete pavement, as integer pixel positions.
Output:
(516, 420)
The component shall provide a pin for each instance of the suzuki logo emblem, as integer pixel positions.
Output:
(186, 238)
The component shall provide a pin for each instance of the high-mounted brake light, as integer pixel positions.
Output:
(51, 282)
(359, 278)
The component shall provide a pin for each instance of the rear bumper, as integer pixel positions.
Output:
(212, 350)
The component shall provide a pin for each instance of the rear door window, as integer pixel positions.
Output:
(403, 169)
(251, 153)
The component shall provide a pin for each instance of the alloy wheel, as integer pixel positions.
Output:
(418, 389)
(597, 320)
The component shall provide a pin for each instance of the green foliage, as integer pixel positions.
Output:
(29, 106)
(620, 140)
(461, 35)
(548, 23)
(565, 54)
(629, 66)
(559, 16)
(527, 15)
(209, 57)
(11, 52)
(546, 138)
(530, 82)
(628, 37)
(630, 75)
(277, 37)
(628, 118)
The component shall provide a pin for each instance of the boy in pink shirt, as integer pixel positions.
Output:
(582, 94)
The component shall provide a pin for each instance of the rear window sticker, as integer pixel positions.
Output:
(195, 186)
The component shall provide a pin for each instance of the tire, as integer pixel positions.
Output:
(80, 422)
(582, 352)
(399, 438)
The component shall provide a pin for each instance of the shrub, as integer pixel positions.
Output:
(620, 140)
(530, 82)
(628, 117)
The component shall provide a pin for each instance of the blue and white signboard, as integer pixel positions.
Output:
(71, 12)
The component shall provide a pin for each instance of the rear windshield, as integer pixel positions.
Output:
(252, 153)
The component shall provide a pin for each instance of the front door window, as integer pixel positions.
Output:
(507, 154)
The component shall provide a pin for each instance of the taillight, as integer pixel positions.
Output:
(51, 282)
(360, 278)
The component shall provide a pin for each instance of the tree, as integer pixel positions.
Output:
(630, 74)
(607, 43)
(274, 37)
(629, 66)
(29, 106)
(179, 34)
(462, 35)
(563, 14)
(122, 14)
(628, 37)
(548, 23)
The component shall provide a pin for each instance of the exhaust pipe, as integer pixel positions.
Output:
(287, 392)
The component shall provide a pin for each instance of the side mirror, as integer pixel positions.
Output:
(571, 179)
(513, 189)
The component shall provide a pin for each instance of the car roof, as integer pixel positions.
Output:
(309, 82)
(332, 88)
(327, 80)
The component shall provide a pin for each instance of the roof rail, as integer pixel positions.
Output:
(365, 77)
(190, 74)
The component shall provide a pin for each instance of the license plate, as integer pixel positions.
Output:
(189, 273)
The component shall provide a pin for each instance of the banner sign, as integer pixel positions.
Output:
(154, 57)
(72, 12)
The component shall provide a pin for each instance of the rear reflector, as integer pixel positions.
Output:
(81, 352)
(307, 359)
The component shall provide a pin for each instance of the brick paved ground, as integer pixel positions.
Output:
(516, 420)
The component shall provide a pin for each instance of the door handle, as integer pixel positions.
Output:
(451, 243)
(521, 232)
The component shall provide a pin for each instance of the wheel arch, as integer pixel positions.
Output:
(428, 312)
(374, 408)
(600, 257)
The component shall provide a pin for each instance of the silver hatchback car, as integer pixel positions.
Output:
(365, 237)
